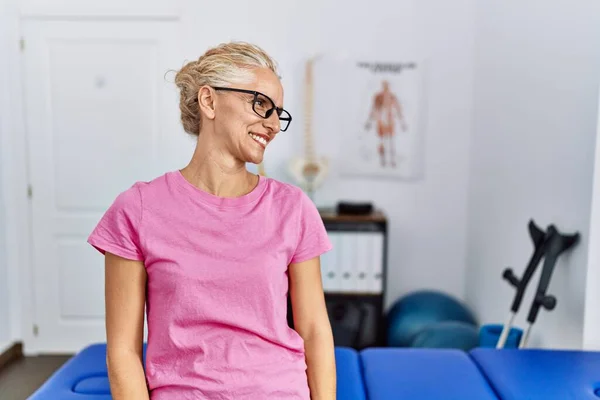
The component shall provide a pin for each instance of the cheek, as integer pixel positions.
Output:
(247, 122)
(238, 128)
(232, 118)
(243, 124)
(238, 120)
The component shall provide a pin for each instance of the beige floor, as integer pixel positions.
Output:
(21, 378)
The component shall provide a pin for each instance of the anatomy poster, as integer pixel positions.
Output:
(383, 132)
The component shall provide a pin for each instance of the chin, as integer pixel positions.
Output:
(255, 160)
(252, 152)
(253, 157)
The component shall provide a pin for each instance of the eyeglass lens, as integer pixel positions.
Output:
(264, 107)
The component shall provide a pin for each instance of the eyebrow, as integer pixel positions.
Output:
(270, 98)
(247, 91)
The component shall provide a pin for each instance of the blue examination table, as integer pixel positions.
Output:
(398, 374)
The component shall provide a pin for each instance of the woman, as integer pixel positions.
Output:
(210, 250)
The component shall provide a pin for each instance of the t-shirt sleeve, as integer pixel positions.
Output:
(118, 229)
(312, 239)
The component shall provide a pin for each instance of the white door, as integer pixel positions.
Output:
(101, 114)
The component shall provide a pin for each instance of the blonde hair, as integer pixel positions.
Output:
(224, 65)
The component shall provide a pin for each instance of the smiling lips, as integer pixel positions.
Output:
(259, 138)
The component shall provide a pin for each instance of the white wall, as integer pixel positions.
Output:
(13, 182)
(4, 298)
(591, 325)
(427, 218)
(4, 316)
(537, 69)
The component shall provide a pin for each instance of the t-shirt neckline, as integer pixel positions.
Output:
(212, 199)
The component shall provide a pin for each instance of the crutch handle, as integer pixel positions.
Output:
(547, 301)
(538, 237)
(557, 244)
(510, 276)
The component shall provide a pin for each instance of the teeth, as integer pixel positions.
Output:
(258, 138)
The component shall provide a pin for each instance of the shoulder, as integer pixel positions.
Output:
(281, 191)
(290, 199)
(134, 195)
(129, 197)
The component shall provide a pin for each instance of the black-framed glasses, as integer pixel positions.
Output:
(263, 106)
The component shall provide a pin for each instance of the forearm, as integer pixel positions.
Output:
(126, 376)
(320, 360)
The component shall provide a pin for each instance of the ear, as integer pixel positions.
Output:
(206, 101)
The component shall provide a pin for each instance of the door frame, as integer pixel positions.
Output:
(15, 158)
(15, 182)
(591, 319)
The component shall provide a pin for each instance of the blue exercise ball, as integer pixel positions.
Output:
(447, 335)
(417, 310)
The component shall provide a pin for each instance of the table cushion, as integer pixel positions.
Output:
(534, 374)
(349, 377)
(424, 374)
(93, 385)
(84, 372)
(85, 377)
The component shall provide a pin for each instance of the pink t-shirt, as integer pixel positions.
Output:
(217, 284)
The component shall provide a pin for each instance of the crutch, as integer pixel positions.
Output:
(555, 246)
(539, 238)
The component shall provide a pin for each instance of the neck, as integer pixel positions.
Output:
(214, 170)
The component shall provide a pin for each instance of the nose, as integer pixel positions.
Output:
(272, 123)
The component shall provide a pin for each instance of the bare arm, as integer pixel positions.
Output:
(125, 297)
(312, 324)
